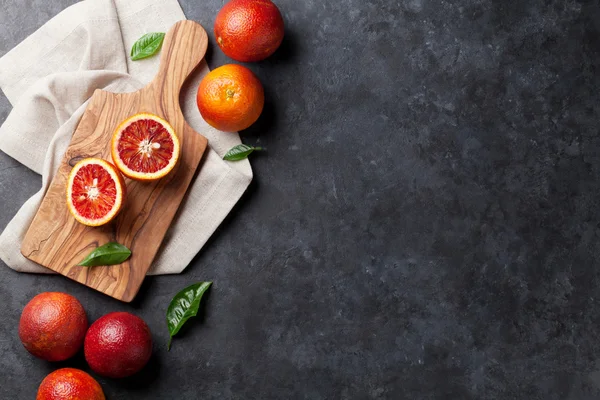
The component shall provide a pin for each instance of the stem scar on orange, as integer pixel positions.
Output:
(95, 191)
(230, 98)
(145, 147)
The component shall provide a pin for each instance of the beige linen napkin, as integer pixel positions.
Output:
(48, 79)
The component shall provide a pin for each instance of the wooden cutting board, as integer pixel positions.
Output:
(55, 240)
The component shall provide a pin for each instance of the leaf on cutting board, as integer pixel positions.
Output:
(240, 152)
(108, 254)
(184, 306)
(147, 46)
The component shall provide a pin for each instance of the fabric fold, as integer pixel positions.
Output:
(50, 76)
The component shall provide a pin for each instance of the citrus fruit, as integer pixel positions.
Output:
(95, 191)
(69, 384)
(145, 147)
(52, 326)
(118, 345)
(249, 30)
(230, 98)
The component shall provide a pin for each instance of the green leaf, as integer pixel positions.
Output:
(108, 254)
(146, 46)
(184, 306)
(240, 152)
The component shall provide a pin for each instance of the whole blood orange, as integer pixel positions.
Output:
(95, 191)
(118, 345)
(249, 30)
(53, 326)
(230, 98)
(145, 147)
(69, 384)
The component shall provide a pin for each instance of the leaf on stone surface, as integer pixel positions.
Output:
(184, 306)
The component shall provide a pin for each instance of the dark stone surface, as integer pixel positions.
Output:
(424, 224)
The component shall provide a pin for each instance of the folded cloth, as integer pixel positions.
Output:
(48, 79)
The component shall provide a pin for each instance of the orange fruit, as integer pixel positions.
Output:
(118, 345)
(53, 326)
(145, 147)
(230, 98)
(95, 191)
(69, 384)
(249, 30)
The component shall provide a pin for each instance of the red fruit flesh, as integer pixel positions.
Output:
(118, 345)
(249, 30)
(69, 384)
(146, 132)
(52, 326)
(97, 176)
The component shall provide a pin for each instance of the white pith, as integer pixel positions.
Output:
(92, 191)
(146, 147)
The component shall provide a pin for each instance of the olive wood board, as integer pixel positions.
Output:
(57, 241)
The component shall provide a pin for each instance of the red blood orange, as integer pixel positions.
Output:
(145, 147)
(52, 326)
(95, 191)
(118, 345)
(249, 30)
(69, 384)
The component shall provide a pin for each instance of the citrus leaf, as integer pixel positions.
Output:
(184, 306)
(108, 254)
(147, 45)
(240, 152)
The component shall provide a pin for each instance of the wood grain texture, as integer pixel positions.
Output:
(55, 240)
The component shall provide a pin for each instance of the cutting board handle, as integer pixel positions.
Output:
(183, 49)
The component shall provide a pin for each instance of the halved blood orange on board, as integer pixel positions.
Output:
(145, 147)
(95, 191)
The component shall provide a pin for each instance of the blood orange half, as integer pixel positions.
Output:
(95, 191)
(145, 147)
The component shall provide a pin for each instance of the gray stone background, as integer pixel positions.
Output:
(424, 224)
